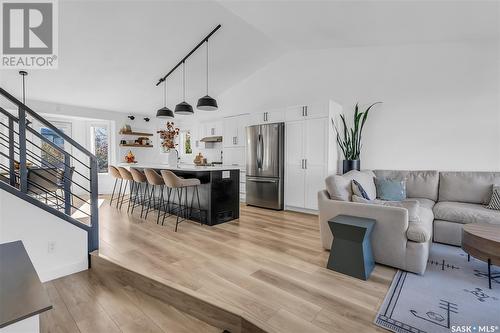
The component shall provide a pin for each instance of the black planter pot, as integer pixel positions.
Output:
(348, 165)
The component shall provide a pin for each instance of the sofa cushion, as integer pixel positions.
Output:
(357, 189)
(471, 187)
(424, 202)
(421, 231)
(419, 184)
(411, 205)
(461, 212)
(339, 187)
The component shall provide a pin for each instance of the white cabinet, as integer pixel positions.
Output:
(267, 117)
(234, 156)
(235, 130)
(311, 111)
(306, 161)
(212, 128)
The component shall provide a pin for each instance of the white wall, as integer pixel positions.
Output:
(20, 220)
(441, 101)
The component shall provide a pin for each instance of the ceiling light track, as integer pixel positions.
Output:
(189, 54)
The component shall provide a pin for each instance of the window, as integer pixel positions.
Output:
(51, 156)
(99, 143)
(187, 143)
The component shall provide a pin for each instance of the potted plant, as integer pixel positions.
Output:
(168, 137)
(350, 140)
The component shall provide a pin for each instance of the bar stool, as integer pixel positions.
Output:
(127, 177)
(181, 185)
(139, 197)
(116, 175)
(155, 180)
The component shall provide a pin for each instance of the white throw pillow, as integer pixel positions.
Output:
(411, 205)
(339, 186)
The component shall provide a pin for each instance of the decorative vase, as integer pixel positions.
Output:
(172, 157)
(348, 165)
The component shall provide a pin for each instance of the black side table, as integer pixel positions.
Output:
(351, 251)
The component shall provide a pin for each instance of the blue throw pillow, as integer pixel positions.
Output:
(390, 189)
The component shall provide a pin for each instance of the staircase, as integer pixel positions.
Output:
(60, 179)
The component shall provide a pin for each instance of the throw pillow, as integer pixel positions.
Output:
(412, 205)
(389, 189)
(495, 198)
(339, 186)
(357, 189)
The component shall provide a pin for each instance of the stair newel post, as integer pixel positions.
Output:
(94, 207)
(12, 167)
(23, 171)
(67, 184)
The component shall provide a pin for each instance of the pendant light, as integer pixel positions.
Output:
(183, 107)
(164, 112)
(207, 103)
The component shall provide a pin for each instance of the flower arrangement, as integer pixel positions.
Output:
(168, 136)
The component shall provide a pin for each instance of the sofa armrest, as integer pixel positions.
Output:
(391, 226)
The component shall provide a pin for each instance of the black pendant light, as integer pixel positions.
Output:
(164, 112)
(207, 103)
(183, 107)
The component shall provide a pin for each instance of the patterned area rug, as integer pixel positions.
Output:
(452, 296)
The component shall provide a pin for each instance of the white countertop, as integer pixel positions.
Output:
(181, 167)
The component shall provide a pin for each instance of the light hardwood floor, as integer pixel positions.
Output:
(268, 264)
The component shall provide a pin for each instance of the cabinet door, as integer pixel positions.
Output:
(295, 113)
(241, 125)
(316, 159)
(230, 132)
(257, 118)
(234, 156)
(294, 166)
(275, 116)
(316, 110)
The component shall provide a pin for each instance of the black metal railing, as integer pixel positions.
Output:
(61, 179)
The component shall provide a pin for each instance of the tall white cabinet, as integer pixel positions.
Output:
(306, 165)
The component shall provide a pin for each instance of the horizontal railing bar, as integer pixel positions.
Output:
(76, 171)
(8, 114)
(62, 201)
(35, 161)
(46, 123)
(62, 150)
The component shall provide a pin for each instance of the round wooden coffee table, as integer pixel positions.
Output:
(482, 241)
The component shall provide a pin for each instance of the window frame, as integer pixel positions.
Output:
(102, 124)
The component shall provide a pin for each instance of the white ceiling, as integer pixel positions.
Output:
(113, 52)
(330, 24)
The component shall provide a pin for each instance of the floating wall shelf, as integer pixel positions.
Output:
(135, 145)
(136, 133)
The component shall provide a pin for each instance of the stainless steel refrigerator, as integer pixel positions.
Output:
(265, 165)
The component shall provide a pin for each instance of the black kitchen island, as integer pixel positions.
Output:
(219, 190)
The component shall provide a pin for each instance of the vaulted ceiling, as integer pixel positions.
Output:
(112, 53)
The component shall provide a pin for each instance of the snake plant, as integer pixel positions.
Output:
(350, 141)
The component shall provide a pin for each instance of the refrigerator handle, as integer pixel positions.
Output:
(259, 151)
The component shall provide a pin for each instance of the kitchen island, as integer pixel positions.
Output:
(219, 189)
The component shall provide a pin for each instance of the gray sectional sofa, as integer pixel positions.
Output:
(447, 201)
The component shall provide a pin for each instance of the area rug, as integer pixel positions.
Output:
(452, 296)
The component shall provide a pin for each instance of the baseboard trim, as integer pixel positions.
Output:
(302, 210)
(64, 270)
